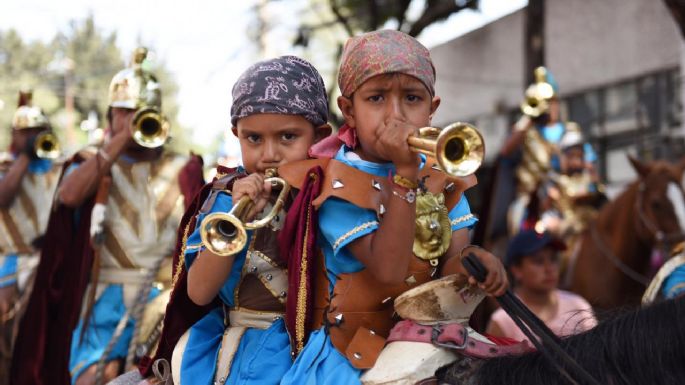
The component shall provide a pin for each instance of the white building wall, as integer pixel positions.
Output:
(590, 43)
(480, 75)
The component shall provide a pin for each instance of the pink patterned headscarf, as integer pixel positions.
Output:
(384, 52)
(372, 54)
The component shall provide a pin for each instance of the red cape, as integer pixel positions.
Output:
(41, 354)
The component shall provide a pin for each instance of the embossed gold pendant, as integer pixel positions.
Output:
(433, 231)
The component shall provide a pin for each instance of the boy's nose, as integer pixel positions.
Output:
(270, 153)
(395, 109)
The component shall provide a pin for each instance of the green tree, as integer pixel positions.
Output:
(70, 76)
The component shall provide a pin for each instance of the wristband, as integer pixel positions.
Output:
(404, 182)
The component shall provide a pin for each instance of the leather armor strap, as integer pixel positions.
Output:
(370, 191)
(453, 336)
(219, 185)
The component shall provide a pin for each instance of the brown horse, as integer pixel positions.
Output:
(612, 261)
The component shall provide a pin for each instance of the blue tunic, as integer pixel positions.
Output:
(341, 222)
(262, 357)
(107, 311)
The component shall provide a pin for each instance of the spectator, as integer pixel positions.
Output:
(532, 260)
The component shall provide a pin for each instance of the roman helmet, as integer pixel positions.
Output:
(138, 89)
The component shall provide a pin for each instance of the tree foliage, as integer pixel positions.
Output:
(82, 59)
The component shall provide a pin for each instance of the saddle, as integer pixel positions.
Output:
(434, 334)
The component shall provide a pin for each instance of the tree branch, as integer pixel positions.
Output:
(342, 19)
(373, 15)
(402, 13)
(440, 11)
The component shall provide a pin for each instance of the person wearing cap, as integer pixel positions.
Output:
(28, 179)
(532, 149)
(112, 233)
(533, 262)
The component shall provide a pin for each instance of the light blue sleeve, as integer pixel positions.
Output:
(8, 270)
(341, 222)
(590, 155)
(461, 216)
(222, 203)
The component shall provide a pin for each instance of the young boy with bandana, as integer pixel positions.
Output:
(235, 304)
(388, 221)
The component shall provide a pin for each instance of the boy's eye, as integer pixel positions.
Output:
(375, 98)
(253, 138)
(413, 98)
(288, 137)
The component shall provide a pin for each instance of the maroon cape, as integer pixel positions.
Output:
(41, 354)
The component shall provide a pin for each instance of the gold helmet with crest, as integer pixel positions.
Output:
(28, 115)
(135, 87)
(538, 94)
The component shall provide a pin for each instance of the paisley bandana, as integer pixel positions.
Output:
(372, 54)
(286, 85)
(384, 52)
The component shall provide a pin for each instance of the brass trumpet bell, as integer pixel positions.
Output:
(47, 146)
(538, 94)
(225, 234)
(150, 128)
(459, 148)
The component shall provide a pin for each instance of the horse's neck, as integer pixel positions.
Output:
(616, 224)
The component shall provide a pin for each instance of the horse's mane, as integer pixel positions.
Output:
(644, 346)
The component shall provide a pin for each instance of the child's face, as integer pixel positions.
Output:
(271, 140)
(382, 100)
(539, 271)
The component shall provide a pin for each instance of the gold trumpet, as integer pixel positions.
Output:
(46, 146)
(150, 128)
(537, 95)
(225, 234)
(459, 148)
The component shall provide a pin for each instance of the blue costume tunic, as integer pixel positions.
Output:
(340, 223)
(9, 262)
(262, 357)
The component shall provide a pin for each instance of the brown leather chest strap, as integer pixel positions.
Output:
(370, 191)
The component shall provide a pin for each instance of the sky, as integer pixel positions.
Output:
(202, 42)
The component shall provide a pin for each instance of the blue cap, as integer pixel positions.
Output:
(528, 242)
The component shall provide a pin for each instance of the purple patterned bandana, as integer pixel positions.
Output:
(286, 85)
(384, 52)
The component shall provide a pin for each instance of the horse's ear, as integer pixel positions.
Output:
(641, 168)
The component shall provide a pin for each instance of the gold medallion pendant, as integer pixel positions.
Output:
(433, 231)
